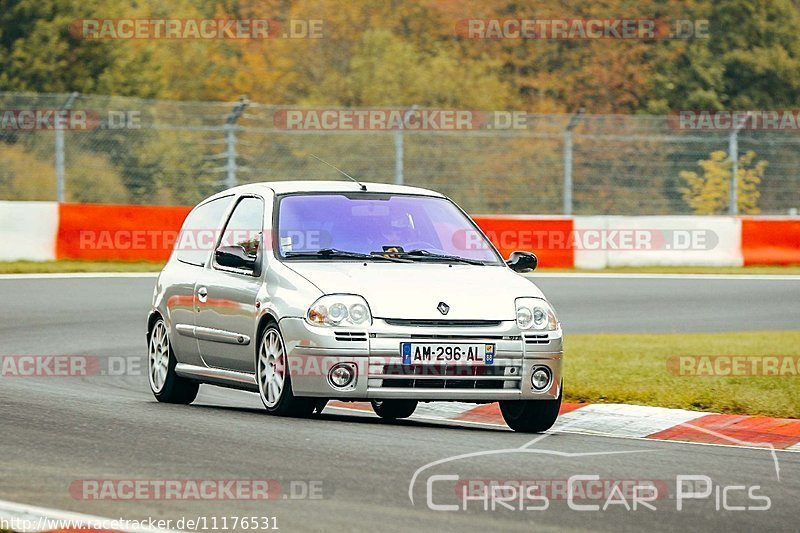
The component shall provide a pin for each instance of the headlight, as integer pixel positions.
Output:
(535, 313)
(524, 317)
(342, 310)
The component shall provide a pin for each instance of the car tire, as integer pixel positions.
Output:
(274, 379)
(394, 409)
(166, 385)
(531, 416)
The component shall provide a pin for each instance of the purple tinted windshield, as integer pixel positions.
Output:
(376, 222)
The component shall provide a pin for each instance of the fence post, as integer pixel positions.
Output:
(398, 156)
(573, 121)
(230, 141)
(399, 149)
(60, 149)
(733, 155)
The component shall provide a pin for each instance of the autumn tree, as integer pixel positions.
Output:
(708, 192)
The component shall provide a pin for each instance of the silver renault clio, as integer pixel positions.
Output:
(306, 291)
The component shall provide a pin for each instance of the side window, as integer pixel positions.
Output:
(199, 232)
(245, 226)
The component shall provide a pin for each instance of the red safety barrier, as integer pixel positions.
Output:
(147, 233)
(770, 242)
(549, 238)
(118, 232)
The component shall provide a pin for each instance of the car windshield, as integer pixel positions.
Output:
(417, 227)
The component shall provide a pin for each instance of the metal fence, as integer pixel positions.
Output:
(169, 152)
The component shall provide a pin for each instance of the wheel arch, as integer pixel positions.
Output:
(152, 318)
(266, 319)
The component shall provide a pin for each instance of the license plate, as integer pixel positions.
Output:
(418, 353)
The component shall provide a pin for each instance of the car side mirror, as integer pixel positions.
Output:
(235, 257)
(522, 261)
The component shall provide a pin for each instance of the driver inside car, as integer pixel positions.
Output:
(396, 232)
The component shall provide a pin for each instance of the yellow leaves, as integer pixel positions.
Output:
(386, 70)
(749, 178)
(25, 175)
(708, 192)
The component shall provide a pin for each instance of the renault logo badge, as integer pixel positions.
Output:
(443, 308)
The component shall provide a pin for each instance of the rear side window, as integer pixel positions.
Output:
(200, 230)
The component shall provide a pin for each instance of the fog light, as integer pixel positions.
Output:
(540, 378)
(341, 375)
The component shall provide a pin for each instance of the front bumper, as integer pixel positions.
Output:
(374, 354)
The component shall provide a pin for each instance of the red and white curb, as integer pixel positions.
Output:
(22, 518)
(630, 421)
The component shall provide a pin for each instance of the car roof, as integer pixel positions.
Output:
(311, 186)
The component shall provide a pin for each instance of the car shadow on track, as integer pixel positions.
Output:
(357, 418)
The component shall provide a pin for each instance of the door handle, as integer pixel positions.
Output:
(202, 294)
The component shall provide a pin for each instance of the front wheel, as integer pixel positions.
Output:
(274, 381)
(394, 409)
(167, 386)
(530, 416)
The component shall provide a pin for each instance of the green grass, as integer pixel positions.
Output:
(632, 368)
(38, 267)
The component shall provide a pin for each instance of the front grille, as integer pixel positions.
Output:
(463, 377)
(349, 336)
(443, 370)
(434, 323)
(445, 336)
(444, 384)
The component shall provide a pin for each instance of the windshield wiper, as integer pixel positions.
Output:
(425, 254)
(333, 253)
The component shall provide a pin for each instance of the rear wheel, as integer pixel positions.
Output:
(274, 381)
(166, 385)
(530, 416)
(394, 409)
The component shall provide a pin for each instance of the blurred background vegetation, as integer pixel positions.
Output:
(402, 53)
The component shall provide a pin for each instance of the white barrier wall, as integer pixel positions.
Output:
(28, 230)
(619, 241)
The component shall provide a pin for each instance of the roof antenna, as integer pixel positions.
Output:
(363, 187)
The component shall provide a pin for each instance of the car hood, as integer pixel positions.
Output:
(407, 291)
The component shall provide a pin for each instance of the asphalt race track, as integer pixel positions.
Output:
(58, 430)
